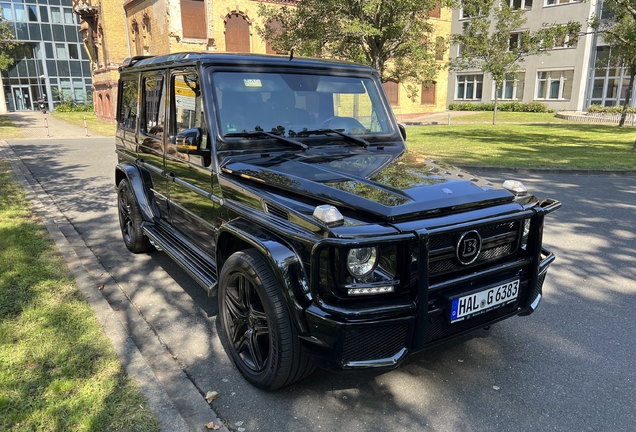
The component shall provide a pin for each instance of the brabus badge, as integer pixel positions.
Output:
(468, 247)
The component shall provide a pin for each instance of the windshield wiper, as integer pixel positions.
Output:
(354, 139)
(268, 134)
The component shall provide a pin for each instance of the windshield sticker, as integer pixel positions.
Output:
(252, 83)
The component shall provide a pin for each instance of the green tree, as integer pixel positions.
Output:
(491, 40)
(7, 43)
(617, 27)
(396, 37)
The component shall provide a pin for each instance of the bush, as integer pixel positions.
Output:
(609, 110)
(513, 106)
(74, 107)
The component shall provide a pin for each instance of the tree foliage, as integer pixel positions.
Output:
(492, 41)
(7, 43)
(396, 37)
(617, 28)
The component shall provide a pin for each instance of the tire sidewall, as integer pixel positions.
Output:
(243, 262)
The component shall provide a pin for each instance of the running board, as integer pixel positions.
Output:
(198, 265)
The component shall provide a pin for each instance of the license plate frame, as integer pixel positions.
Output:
(466, 306)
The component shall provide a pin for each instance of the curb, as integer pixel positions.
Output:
(615, 173)
(170, 393)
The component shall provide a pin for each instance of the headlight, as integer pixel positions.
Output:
(362, 261)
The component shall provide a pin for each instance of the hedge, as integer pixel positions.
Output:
(514, 106)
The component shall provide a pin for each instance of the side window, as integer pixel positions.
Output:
(154, 98)
(188, 106)
(129, 109)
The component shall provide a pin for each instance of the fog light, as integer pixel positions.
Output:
(370, 291)
(362, 261)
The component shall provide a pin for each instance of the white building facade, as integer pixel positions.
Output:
(571, 77)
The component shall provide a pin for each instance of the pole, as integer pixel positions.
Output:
(85, 127)
(46, 126)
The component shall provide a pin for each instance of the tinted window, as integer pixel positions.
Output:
(154, 99)
(129, 110)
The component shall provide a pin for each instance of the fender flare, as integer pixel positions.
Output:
(140, 188)
(283, 260)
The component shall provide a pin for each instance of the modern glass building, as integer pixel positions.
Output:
(51, 61)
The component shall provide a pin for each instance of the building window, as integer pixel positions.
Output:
(193, 19)
(469, 86)
(276, 27)
(521, 4)
(469, 10)
(137, 38)
(554, 84)
(558, 2)
(437, 12)
(237, 34)
(392, 91)
(440, 48)
(428, 93)
(564, 41)
(512, 87)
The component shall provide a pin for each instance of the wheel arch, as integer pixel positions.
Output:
(139, 186)
(283, 260)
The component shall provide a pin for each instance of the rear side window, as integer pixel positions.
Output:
(129, 105)
(154, 100)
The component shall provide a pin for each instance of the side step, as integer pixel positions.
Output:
(198, 265)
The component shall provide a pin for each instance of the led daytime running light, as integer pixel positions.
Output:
(371, 291)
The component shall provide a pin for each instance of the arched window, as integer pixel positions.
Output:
(100, 105)
(237, 34)
(137, 37)
(107, 110)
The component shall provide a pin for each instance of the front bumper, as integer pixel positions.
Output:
(347, 339)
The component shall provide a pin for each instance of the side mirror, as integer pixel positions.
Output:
(189, 142)
(402, 131)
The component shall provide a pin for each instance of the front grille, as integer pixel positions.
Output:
(499, 241)
(362, 344)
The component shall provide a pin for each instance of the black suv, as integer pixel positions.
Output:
(286, 186)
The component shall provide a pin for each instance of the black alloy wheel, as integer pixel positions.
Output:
(259, 335)
(130, 220)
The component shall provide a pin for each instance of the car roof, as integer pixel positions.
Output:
(235, 59)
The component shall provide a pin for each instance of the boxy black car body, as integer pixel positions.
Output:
(286, 185)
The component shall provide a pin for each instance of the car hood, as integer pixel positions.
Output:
(387, 185)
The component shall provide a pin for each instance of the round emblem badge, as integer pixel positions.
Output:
(468, 247)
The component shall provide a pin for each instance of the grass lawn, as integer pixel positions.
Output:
(562, 146)
(8, 129)
(95, 125)
(58, 370)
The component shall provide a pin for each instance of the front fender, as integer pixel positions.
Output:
(284, 262)
(140, 187)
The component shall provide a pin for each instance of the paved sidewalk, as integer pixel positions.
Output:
(32, 126)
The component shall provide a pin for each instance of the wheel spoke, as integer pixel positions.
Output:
(260, 326)
(255, 351)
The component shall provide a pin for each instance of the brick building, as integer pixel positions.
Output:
(113, 31)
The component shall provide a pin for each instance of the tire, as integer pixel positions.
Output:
(130, 220)
(258, 332)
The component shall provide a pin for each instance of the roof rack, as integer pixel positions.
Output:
(130, 61)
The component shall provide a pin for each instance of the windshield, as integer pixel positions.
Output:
(298, 105)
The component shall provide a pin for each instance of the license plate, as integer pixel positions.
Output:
(483, 301)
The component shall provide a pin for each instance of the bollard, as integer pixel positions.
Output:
(449, 119)
(85, 127)
(46, 127)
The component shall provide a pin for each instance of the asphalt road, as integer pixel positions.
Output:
(567, 367)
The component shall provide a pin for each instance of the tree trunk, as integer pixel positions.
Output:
(494, 111)
(632, 74)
